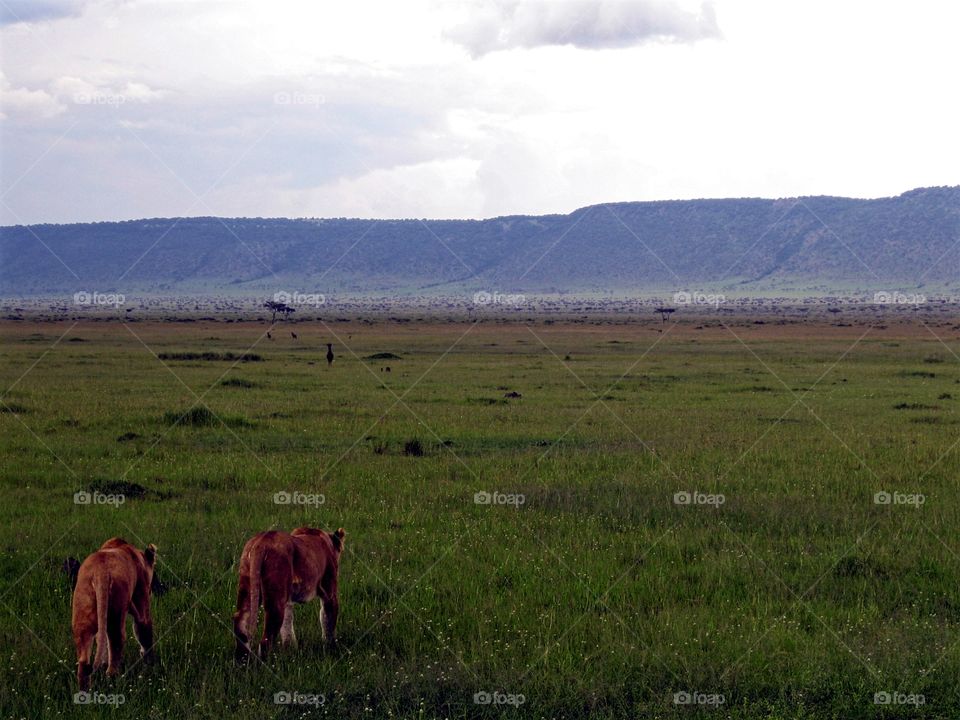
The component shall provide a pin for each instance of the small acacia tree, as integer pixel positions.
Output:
(665, 312)
(275, 306)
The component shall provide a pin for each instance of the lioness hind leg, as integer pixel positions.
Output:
(117, 635)
(103, 654)
(144, 633)
(84, 643)
(273, 615)
(331, 609)
(287, 635)
(245, 618)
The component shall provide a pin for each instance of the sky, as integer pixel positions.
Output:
(122, 109)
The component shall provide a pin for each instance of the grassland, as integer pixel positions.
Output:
(797, 597)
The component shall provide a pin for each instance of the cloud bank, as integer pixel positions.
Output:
(506, 24)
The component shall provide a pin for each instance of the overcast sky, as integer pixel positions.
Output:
(117, 109)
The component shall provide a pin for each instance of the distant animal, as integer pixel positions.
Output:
(329, 354)
(269, 336)
(513, 394)
(293, 334)
(111, 581)
(278, 569)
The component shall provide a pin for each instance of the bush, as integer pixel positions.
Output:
(195, 417)
(245, 357)
(237, 382)
(413, 448)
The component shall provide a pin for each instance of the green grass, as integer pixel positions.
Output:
(797, 597)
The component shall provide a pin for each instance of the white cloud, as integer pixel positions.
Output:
(175, 94)
(595, 24)
(23, 103)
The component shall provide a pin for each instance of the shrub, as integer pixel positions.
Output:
(237, 382)
(413, 448)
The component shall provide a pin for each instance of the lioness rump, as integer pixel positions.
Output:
(111, 581)
(278, 569)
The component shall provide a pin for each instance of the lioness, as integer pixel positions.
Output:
(114, 579)
(278, 569)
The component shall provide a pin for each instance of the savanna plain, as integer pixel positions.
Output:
(721, 517)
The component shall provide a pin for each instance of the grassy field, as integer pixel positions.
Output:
(588, 588)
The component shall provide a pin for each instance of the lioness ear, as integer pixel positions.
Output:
(338, 537)
(150, 554)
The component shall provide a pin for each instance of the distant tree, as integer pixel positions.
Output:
(275, 306)
(665, 312)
